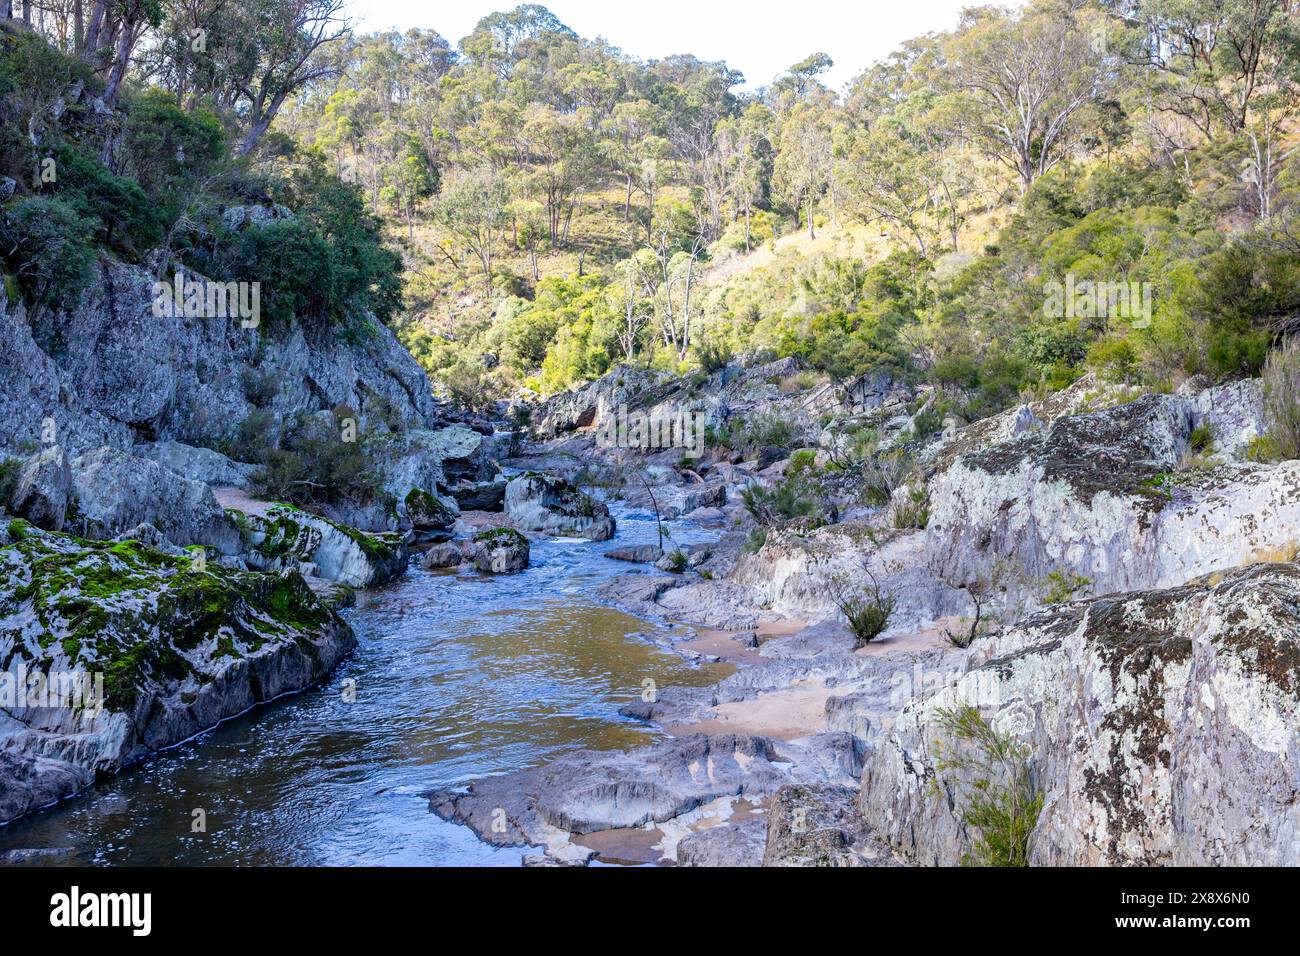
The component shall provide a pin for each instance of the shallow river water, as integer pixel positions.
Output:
(457, 676)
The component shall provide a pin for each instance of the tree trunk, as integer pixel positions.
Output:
(812, 226)
(6, 9)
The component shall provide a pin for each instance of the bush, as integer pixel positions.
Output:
(713, 354)
(1282, 401)
(785, 501)
(867, 611)
(47, 248)
(126, 218)
(1001, 801)
(915, 512)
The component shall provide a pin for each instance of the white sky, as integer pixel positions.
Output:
(761, 38)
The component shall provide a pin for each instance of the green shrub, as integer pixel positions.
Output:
(1202, 438)
(128, 220)
(713, 354)
(915, 512)
(755, 542)
(47, 249)
(867, 610)
(1060, 588)
(999, 798)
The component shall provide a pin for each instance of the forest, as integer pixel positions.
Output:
(529, 208)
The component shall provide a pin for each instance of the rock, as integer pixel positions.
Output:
(1160, 727)
(673, 501)
(178, 650)
(122, 375)
(446, 555)
(462, 452)
(44, 489)
(636, 553)
(198, 464)
(499, 551)
(287, 537)
(237, 218)
(818, 825)
(1099, 499)
(624, 386)
(428, 513)
(115, 491)
(7, 187)
(729, 844)
(552, 506)
(673, 562)
(479, 495)
(586, 791)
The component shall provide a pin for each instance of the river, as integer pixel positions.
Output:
(457, 676)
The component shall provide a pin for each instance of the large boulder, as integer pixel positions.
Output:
(178, 646)
(43, 489)
(115, 491)
(1160, 728)
(536, 502)
(623, 387)
(289, 538)
(498, 551)
(198, 464)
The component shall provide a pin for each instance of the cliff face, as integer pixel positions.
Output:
(111, 372)
(112, 412)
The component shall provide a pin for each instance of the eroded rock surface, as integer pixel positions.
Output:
(1161, 728)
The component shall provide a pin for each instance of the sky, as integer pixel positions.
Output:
(761, 38)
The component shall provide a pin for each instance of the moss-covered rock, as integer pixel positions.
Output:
(426, 512)
(499, 551)
(178, 641)
(286, 537)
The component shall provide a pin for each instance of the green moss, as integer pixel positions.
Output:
(501, 538)
(135, 613)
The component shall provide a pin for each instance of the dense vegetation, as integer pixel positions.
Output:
(1101, 185)
(144, 173)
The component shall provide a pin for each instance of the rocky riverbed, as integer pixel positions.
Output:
(1129, 607)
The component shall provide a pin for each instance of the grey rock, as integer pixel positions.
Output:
(636, 553)
(115, 491)
(479, 495)
(552, 506)
(498, 551)
(198, 464)
(1160, 727)
(44, 489)
(446, 555)
(818, 825)
(730, 844)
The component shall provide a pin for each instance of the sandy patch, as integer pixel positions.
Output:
(767, 630)
(724, 646)
(915, 641)
(796, 711)
(238, 499)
